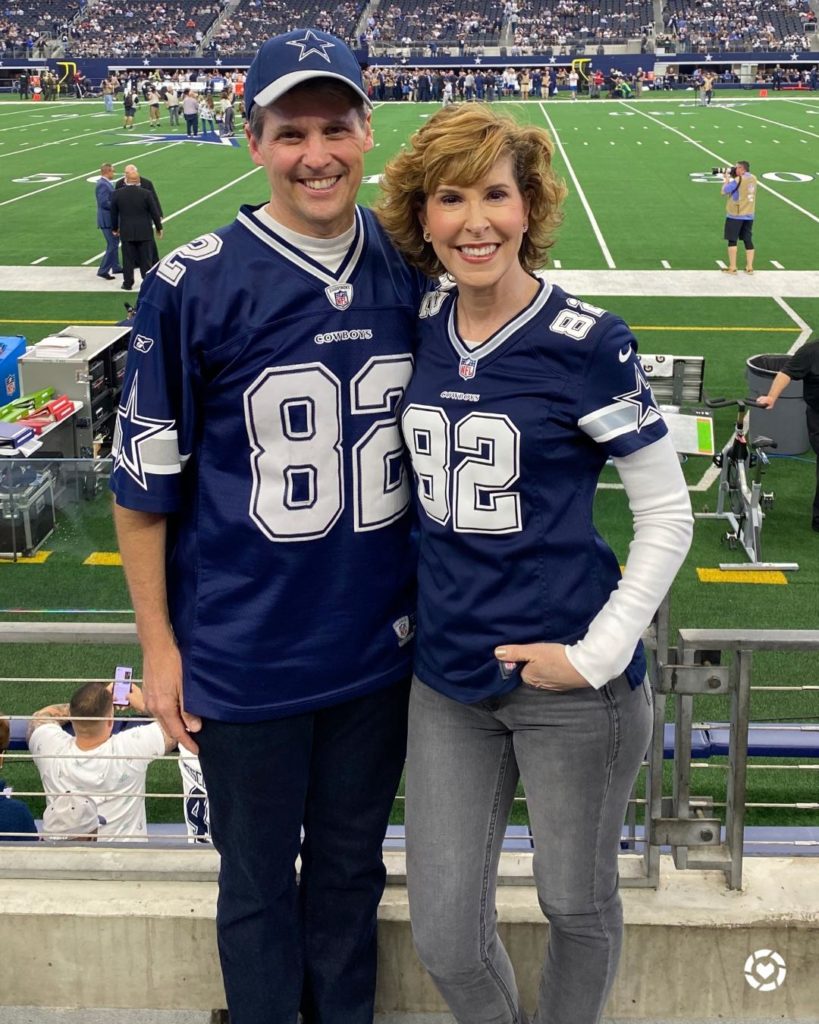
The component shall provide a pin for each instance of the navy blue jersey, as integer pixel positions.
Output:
(259, 413)
(507, 441)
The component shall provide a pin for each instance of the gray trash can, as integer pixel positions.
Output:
(785, 423)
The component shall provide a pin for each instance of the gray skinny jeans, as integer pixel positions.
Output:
(578, 754)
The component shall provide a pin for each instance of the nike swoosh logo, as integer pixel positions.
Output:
(624, 354)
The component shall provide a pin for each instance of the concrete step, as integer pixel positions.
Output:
(61, 1015)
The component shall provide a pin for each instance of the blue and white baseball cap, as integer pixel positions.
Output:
(295, 57)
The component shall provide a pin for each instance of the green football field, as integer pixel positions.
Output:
(642, 195)
(642, 235)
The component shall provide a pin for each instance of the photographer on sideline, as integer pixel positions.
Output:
(739, 185)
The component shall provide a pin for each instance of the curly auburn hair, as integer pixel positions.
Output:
(459, 146)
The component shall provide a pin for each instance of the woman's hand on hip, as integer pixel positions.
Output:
(543, 666)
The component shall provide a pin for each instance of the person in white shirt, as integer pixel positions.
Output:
(172, 102)
(96, 762)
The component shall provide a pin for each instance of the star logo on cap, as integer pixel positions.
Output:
(312, 44)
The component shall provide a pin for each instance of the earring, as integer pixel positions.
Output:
(525, 228)
(427, 236)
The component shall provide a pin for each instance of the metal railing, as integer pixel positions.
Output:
(679, 820)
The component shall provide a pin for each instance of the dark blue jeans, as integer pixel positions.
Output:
(310, 946)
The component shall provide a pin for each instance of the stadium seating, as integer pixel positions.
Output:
(471, 23)
(143, 27)
(738, 25)
(26, 24)
(543, 23)
(254, 20)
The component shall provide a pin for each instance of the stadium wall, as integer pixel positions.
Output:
(135, 929)
(97, 68)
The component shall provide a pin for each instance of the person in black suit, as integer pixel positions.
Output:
(149, 185)
(134, 215)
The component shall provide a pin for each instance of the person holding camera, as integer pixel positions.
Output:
(95, 761)
(739, 186)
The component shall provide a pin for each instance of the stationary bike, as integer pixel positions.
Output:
(741, 501)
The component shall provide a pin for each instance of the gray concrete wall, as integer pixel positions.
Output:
(135, 943)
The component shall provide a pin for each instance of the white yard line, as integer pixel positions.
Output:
(776, 264)
(779, 124)
(723, 160)
(60, 142)
(598, 234)
(665, 264)
(804, 329)
(802, 103)
(42, 259)
(190, 206)
(36, 124)
(94, 170)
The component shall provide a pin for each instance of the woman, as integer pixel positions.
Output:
(190, 111)
(529, 663)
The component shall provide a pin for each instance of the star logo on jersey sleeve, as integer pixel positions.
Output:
(133, 432)
(312, 44)
(641, 398)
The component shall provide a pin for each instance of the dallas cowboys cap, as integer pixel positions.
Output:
(295, 57)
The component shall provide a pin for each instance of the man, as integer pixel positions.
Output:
(107, 89)
(104, 191)
(16, 821)
(95, 761)
(739, 186)
(149, 185)
(226, 108)
(172, 103)
(262, 514)
(134, 215)
(129, 101)
(803, 365)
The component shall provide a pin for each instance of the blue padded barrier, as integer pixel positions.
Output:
(770, 741)
(700, 742)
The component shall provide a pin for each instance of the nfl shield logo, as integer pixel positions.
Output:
(468, 367)
(11, 384)
(340, 295)
(404, 629)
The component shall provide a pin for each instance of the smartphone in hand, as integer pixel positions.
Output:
(122, 686)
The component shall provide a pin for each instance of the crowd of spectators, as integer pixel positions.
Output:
(467, 24)
(147, 27)
(526, 27)
(565, 22)
(739, 25)
(25, 25)
(253, 20)
(141, 26)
